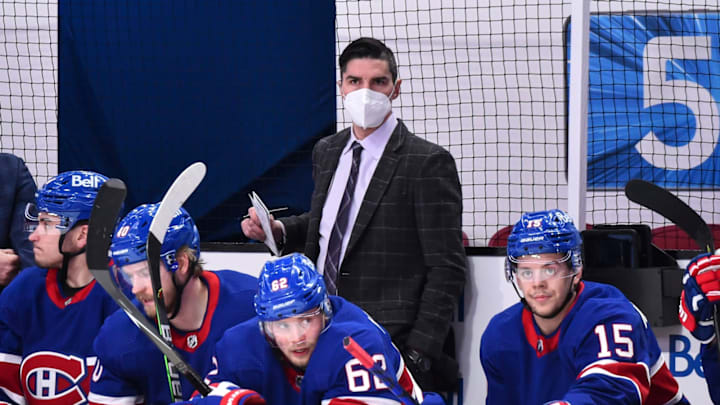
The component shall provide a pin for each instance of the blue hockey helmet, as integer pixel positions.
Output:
(129, 243)
(541, 232)
(69, 196)
(288, 287)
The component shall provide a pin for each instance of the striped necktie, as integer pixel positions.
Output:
(332, 260)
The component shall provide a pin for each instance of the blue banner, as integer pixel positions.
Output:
(654, 99)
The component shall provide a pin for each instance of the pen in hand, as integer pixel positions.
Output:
(270, 211)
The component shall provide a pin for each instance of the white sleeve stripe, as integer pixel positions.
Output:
(10, 358)
(678, 396)
(19, 399)
(598, 370)
(400, 369)
(366, 400)
(609, 361)
(104, 399)
(658, 365)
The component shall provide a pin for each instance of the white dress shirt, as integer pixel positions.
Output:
(373, 148)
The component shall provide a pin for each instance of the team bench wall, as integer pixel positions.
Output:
(487, 293)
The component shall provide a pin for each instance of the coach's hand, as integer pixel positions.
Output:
(252, 228)
(9, 266)
(701, 292)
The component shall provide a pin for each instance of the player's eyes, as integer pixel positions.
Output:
(525, 274)
(550, 271)
(47, 223)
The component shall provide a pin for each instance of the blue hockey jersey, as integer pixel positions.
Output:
(244, 358)
(46, 354)
(603, 352)
(131, 368)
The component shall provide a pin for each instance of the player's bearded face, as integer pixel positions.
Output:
(297, 337)
(138, 276)
(545, 281)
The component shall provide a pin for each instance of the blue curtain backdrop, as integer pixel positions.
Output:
(148, 87)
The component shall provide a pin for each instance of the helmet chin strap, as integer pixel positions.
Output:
(63, 271)
(522, 299)
(180, 288)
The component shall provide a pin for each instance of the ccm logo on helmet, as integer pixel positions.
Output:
(80, 181)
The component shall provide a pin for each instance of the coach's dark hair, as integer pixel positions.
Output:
(368, 48)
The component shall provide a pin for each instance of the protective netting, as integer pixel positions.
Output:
(28, 84)
(488, 81)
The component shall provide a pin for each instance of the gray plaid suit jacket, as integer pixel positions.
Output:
(405, 261)
(17, 188)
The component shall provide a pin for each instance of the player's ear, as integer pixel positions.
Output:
(578, 277)
(183, 261)
(81, 235)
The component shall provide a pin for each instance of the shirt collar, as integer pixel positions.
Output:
(374, 144)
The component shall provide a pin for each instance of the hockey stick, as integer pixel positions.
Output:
(375, 368)
(103, 217)
(175, 196)
(673, 208)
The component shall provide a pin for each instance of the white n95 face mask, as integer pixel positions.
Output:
(367, 108)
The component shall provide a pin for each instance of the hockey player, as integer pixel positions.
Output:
(50, 314)
(700, 296)
(568, 341)
(200, 305)
(296, 355)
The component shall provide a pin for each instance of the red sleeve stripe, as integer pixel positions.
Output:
(407, 381)
(10, 377)
(664, 388)
(636, 373)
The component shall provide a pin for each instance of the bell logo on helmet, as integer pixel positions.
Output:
(81, 181)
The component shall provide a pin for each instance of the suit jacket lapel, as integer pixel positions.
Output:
(380, 180)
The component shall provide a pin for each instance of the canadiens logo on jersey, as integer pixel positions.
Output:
(55, 378)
